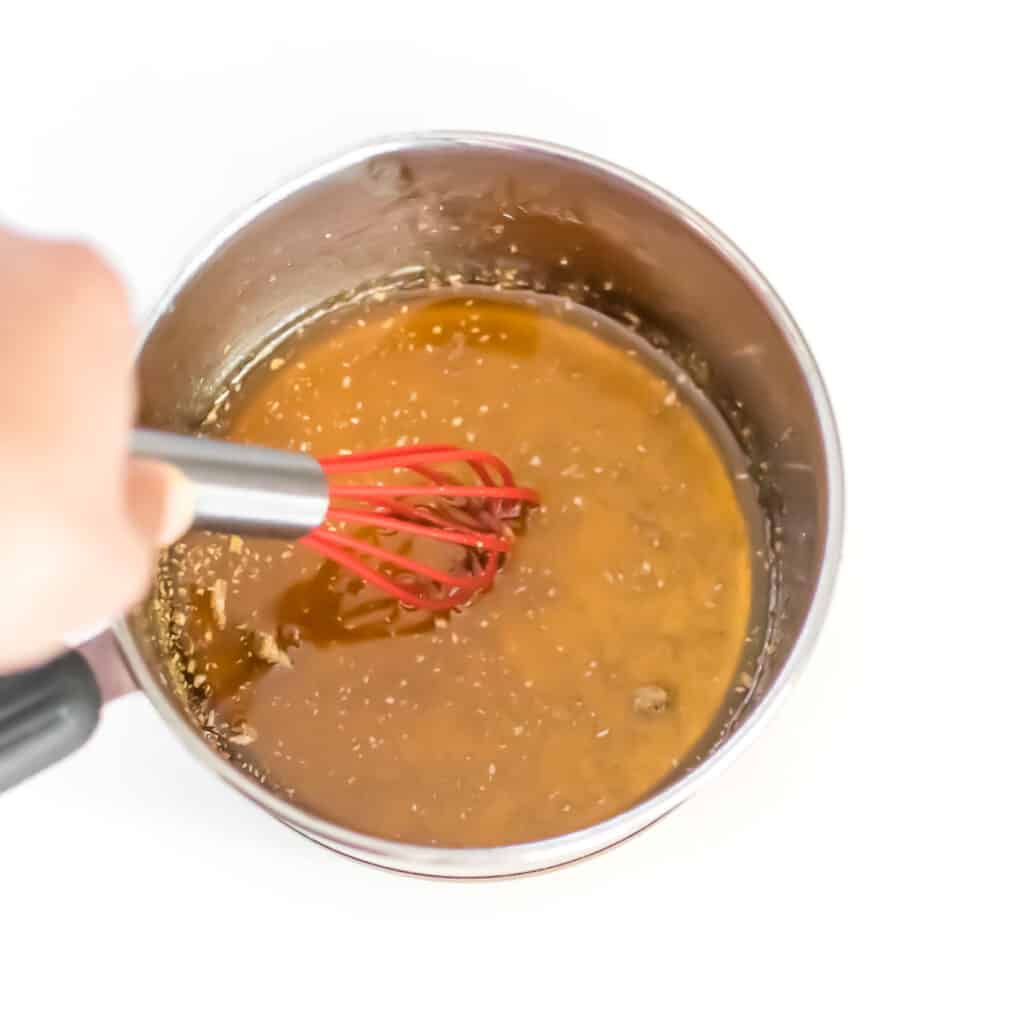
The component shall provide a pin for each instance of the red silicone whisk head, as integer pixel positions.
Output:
(468, 522)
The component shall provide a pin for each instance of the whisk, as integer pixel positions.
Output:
(261, 492)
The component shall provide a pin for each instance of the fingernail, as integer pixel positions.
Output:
(179, 507)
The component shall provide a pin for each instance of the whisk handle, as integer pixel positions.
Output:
(241, 488)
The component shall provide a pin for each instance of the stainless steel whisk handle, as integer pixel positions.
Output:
(241, 488)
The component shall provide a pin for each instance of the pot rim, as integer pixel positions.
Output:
(524, 858)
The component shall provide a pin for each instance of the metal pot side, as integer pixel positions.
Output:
(467, 203)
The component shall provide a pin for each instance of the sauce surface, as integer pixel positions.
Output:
(600, 658)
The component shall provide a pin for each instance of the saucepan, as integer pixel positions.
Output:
(456, 206)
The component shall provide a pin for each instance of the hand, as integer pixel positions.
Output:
(81, 522)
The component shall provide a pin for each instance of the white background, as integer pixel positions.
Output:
(861, 861)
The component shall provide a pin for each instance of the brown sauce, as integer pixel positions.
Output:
(597, 663)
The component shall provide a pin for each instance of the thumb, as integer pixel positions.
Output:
(159, 501)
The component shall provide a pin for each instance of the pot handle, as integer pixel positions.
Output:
(46, 713)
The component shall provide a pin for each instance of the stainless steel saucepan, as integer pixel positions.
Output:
(453, 206)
